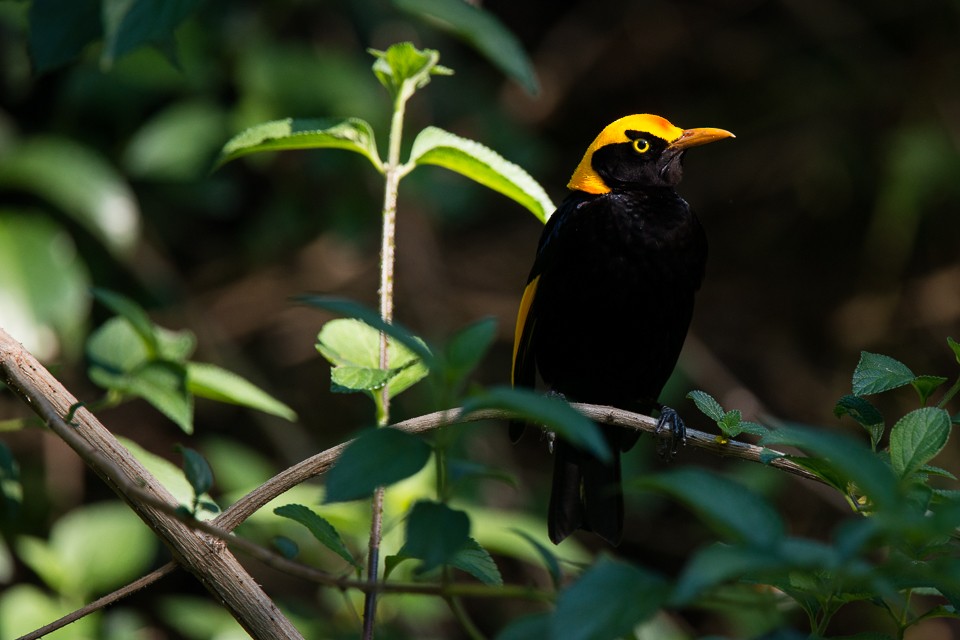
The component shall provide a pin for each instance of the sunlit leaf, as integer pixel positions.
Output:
(403, 68)
(177, 144)
(481, 164)
(213, 382)
(351, 134)
(79, 182)
(322, 530)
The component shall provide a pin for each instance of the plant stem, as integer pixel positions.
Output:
(948, 396)
(392, 173)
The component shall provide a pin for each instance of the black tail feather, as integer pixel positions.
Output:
(586, 495)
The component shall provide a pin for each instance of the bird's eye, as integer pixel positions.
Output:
(641, 145)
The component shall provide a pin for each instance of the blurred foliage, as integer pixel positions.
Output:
(832, 225)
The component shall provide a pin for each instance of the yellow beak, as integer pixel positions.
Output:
(696, 137)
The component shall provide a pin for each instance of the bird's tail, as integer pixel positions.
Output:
(586, 495)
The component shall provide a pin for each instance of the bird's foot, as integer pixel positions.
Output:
(551, 436)
(670, 420)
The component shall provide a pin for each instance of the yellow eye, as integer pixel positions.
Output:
(641, 145)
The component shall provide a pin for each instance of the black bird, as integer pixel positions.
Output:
(608, 304)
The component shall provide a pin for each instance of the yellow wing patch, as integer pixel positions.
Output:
(586, 179)
(525, 302)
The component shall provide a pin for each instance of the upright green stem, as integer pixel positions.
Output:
(392, 173)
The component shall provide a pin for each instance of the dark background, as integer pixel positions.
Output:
(832, 216)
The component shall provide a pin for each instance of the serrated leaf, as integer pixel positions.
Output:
(753, 428)
(196, 470)
(483, 31)
(477, 561)
(371, 318)
(215, 383)
(728, 507)
(608, 601)
(916, 438)
(955, 347)
(926, 385)
(321, 529)
(351, 134)
(730, 423)
(707, 405)
(353, 347)
(865, 413)
(377, 457)
(550, 561)
(402, 68)
(435, 533)
(876, 373)
(552, 412)
(481, 164)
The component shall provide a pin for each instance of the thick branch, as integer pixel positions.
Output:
(205, 557)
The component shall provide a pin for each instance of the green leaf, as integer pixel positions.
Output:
(876, 373)
(707, 405)
(865, 413)
(483, 31)
(608, 601)
(403, 68)
(730, 423)
(549, 558)
(464, 351)
(176, 144)
(526, 627)
(955, 347)
(916, 438)
(728, 507)
(435, 533)
(80, 183)
(44, 285)
(212, 382)
(132, 313)
(91, 550)
(131, 24)
(287, 547)
(196, 470)
(322, 530)
(481, 164)
(377, 457)
(160, 382)
(554, 413)
(351, 134)
(844, 459)
(60, 30)
(926, 385)
(477, 561)
(719, 563)
(369, 317)
(353, 347)
(753, 428)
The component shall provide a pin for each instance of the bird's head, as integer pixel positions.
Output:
(638, 151)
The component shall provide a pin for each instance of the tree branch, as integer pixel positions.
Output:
(207, 559)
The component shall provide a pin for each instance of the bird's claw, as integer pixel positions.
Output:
(670, 420)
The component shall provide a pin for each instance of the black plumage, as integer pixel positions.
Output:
(609, 301)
